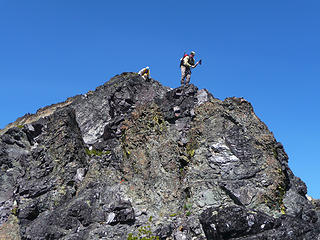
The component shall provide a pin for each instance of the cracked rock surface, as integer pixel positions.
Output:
(135, 154)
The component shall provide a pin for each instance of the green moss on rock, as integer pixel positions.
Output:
(94, 152)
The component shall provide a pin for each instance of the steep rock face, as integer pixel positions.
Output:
(111, 104)
(133, 153)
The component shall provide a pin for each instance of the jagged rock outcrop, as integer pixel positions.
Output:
(133, 154)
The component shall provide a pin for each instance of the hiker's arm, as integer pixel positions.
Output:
(142, 71)
(195, 65)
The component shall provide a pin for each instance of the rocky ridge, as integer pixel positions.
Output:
(135, 155)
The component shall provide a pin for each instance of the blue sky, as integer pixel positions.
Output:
(265, 51)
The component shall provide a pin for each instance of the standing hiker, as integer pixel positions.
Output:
(186, 63)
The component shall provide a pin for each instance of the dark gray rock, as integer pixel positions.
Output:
(135, 154)
(240, 223)
(234, 221)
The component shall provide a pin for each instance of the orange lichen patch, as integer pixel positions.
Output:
(205, 110)
(275, 192)
(265, 138)
(10, 229)
(144, 124)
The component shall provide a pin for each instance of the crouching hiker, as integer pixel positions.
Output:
(145, 73)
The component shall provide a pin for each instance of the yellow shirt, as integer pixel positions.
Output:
(186, 62)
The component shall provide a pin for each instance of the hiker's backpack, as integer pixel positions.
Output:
(181, 59)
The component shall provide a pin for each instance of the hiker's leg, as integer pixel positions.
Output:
(188, 77)
(183, 74)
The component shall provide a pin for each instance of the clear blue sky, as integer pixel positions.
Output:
(265, 51)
